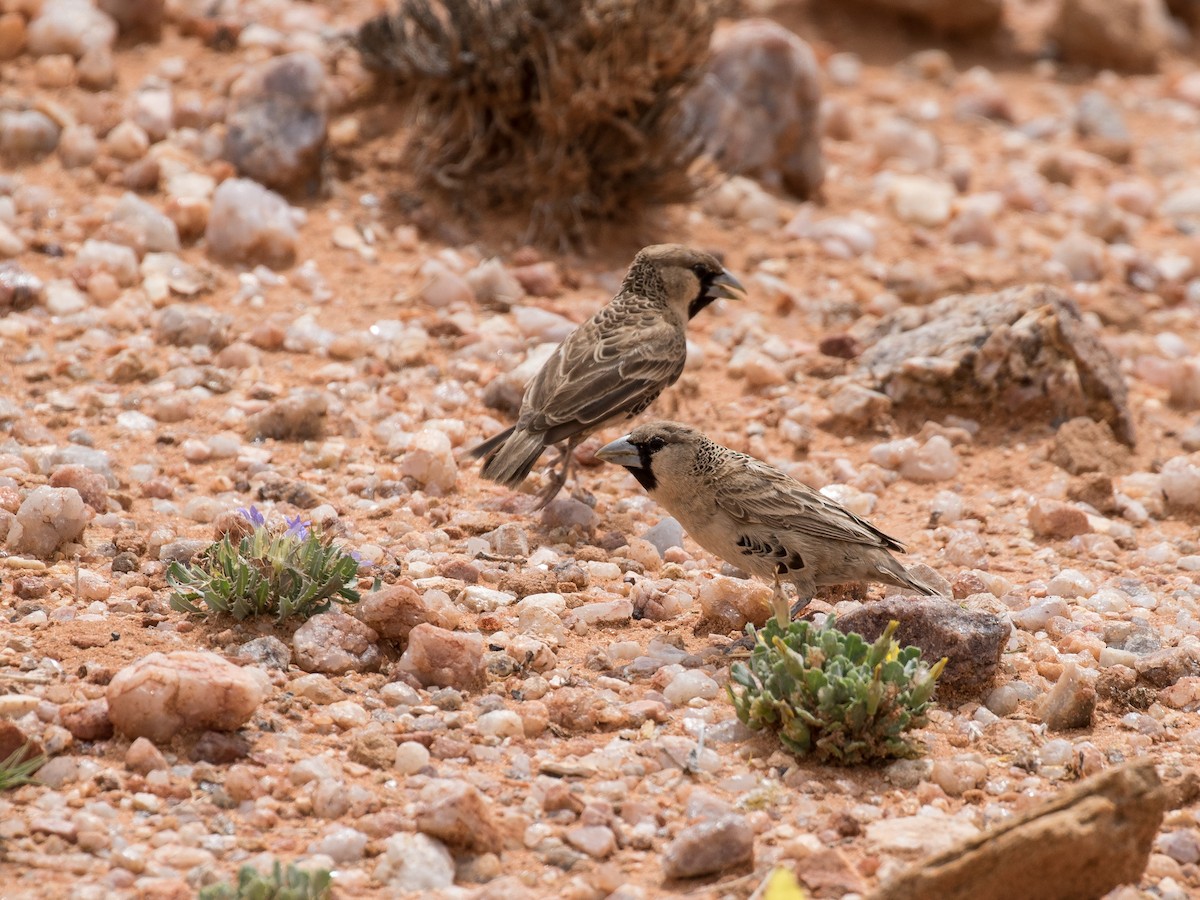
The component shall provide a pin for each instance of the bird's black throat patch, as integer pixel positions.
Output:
(700, 302)
(644, 476)
(643, 473)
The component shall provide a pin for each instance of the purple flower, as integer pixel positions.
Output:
(296, 528)
(356, 556)
(254, 516)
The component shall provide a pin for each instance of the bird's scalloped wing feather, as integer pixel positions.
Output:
(762, 497)
(601, 372)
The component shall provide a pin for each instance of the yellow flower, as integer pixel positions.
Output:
(781, 884)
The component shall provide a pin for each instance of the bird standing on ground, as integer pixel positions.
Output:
(754, 516)
(612, 366)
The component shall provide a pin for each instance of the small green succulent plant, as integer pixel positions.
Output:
(831, 695)
(19, 767)
(274, 570)
(281, 884)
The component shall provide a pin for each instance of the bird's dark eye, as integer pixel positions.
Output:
(655, 444)
(701, 271)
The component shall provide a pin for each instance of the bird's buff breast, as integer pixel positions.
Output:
(706, 523)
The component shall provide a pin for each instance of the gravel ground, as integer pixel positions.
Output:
(176, 344)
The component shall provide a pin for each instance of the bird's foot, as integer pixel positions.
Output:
(799, 606)
(562, 472)
(548, 493)
(740, 648)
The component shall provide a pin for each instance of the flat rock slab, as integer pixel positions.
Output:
(1079, 845)
(1023, 349)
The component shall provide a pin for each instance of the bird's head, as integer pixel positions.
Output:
(654, 450)
(688, 279)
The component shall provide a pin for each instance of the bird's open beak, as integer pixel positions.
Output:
(620, 452)
(726, 286)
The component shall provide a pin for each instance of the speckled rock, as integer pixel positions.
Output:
(972, 641)
(709, 847)
(393, 611)
(416, 862)
(728, 604)
(49, 519)
(1071, 703)
(459, 815)
(435, 656)
(250, 224)
(300, 416)
(87, 721)
(276, 123)
(268, 652)
(1022, 349)
(334, 642)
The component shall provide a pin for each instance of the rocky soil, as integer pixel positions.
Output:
(533, 705)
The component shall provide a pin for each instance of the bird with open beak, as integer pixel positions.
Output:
(613, 366)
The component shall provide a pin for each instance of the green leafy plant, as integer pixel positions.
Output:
(19, 767)
(295, 571)
(832, 695)
(292, 884)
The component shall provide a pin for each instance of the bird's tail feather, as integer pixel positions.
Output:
(895, 574)
(490, 445)
(511, 455)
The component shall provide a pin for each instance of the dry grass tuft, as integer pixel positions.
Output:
(567, 111)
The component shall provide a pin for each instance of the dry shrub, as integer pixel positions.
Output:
(567, 111)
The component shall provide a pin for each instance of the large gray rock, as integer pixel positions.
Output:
(756, 107)
(971, 640)
(1021, 351)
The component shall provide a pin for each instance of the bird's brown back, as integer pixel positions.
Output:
(616, 363)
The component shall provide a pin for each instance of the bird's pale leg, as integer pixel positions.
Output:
(780, 606)
(559, 478)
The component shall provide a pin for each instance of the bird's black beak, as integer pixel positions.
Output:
(621, 452)
(725, 286)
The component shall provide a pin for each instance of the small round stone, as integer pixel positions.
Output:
(411, 757)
